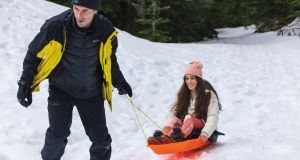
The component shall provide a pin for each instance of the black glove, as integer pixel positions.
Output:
(125, 89)
(24, 93)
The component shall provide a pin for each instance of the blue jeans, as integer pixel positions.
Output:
(92, 114)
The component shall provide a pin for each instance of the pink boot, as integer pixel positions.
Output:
(189, 124)
(172, 121)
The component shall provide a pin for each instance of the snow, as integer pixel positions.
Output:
(256, 76)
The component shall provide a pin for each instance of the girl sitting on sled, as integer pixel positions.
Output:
(195, 114)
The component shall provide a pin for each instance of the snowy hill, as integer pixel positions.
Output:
(256, 76)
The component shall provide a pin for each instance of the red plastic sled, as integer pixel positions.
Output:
(178, 147)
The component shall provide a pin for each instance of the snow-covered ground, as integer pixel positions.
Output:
(256, 76)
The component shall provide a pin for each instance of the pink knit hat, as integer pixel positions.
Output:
(195, 68)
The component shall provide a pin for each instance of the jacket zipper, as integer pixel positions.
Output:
(84, 66)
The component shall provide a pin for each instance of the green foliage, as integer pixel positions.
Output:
(152, 21)
(190, 20)
(268, 15)
(195, 20)
(229, 13)
(294, 11)
(121, 13)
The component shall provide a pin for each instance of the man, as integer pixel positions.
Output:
(76, 52)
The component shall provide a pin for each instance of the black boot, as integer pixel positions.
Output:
(177, 134)
(195, 133)
(157, 134)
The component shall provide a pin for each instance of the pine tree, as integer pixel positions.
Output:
(153, 21)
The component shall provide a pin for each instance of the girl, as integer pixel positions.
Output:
(195, 113)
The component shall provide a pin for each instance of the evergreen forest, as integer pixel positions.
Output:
(195, 20)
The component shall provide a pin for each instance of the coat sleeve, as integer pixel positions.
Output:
(31, 61)
(117, 76)
(212, 116)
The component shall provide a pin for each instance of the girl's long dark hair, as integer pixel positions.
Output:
(202, 102)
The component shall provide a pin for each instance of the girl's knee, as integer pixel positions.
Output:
(187, 116)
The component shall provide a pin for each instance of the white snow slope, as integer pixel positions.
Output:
(256, 76)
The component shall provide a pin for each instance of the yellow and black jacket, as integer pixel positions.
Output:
(46, 51)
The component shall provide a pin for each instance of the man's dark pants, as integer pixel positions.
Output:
(92, 114)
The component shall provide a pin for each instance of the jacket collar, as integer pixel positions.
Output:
(95, 29)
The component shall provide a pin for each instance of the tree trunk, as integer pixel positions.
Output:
(123, 15)
(154, 17)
